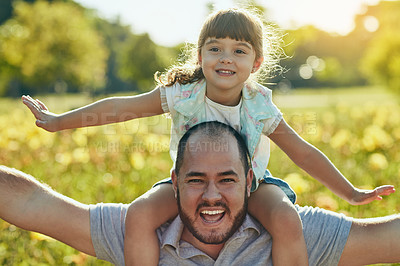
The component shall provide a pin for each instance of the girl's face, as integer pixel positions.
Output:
(226, 65)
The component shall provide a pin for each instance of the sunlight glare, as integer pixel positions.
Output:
(306, 71)
(371, 23)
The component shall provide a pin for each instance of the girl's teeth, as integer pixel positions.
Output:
(225, 72)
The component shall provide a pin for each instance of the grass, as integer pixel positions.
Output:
(357, 128)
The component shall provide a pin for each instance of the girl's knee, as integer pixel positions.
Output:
(152, 209)
(286, 220)
(141, 212)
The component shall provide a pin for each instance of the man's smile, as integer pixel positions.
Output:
(212, 216)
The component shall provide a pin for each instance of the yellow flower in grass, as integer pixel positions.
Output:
(396, 133)
(137, 160)
(340, 139)
(81, 155)
(297, 183)
(375, 137)
(155, 143)
(377, 161)
(79, 137)
(326, 202)
(34, 143)
(64, 158)
(328, 118)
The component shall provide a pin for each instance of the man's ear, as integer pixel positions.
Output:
(174, 179)
(257, 64)
(249, 177)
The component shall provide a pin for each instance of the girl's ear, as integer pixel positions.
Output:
(199, 59)
(257, 64)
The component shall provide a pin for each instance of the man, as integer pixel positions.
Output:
(212, 184)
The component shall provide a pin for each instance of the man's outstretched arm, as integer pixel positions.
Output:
(370, 241)
(33, 206)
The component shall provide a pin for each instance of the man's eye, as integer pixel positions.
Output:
(194, 181)
(227, 180)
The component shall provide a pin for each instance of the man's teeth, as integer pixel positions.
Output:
(212, 212)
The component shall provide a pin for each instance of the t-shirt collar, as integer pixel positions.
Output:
(172, 236)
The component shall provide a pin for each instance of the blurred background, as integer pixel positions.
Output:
(106, 47)
(340, 91)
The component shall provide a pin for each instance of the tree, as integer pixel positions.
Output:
(115, 36)
(5, 10)
(381, 61)
(45, 44)
(139, 61)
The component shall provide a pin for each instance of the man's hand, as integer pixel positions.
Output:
(365, 196)
(44, 119)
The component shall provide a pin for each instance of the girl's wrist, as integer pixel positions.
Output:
(353, 195)
(57, 123)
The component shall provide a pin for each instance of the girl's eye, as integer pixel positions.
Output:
(214, 49)
(240, 51)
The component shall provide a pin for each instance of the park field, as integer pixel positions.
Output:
(357, 128)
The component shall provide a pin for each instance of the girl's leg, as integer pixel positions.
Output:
(273, 209)
(144, 216)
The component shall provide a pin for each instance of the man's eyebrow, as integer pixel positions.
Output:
(228, 173)
(194, 173)
(224, 173)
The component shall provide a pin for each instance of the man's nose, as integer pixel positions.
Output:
(211, 192)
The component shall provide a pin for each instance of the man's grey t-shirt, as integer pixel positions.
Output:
(325, 234)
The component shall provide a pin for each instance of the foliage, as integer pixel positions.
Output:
(103, 164)
(47, 43)
(5, 10)
(115, 35)
(358, 130)
(58, 45)
(381, 62)
(139, 61)
(330, 60)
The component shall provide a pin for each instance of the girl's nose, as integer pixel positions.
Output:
(225, 59)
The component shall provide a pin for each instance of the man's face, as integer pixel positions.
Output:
(212, 190)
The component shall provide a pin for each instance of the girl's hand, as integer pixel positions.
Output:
(364, 196)
(44, 118)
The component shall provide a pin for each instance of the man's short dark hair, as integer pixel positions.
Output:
(213, 130)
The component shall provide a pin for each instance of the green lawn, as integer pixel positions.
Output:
(358, 129)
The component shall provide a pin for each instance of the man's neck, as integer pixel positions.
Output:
(209, 249)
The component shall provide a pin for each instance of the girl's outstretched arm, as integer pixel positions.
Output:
(315, 163)
(105, 111)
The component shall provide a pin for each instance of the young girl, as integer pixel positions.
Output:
(216, 86)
